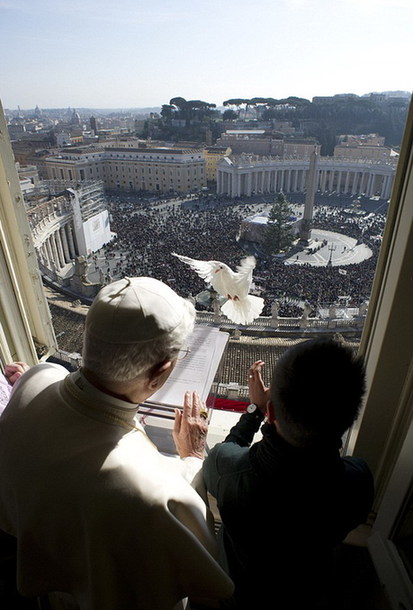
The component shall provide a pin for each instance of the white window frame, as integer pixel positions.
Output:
(26, 329)
(387, 338)
(384, 432)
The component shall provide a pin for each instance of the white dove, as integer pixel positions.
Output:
(241, 307)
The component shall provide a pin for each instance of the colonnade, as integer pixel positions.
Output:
(59, 247)
(53, 232)
(368, 179)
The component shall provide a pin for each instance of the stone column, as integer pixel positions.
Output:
(249, 183)
(275, 180)
(361, 185)
(295, 187)
(369, 185)
(323, 180)
(238, 185)
(218, 182)
(226, 177)
(45, 257)
(303, 179)
(274, 323)
(272, 181)
(354, 187)
(389, 185)
(71, 243)
(373, 184)
(55, 254)
(288, 186)
(268, 181)
(59, 248)
(49, 251)
(65, 244)
(346, 185)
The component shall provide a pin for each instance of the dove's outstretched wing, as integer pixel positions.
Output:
(204, 269)
(243, 276)
(246, 266)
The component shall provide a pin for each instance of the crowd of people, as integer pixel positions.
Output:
(148, 232)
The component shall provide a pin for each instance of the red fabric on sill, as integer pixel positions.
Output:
(224, 404)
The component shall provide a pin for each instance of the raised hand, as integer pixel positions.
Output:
(258, 392)
(190, 427)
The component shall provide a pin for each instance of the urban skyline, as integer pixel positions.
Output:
(156, 109)
(100, 54)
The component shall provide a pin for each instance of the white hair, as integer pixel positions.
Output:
(114, 362)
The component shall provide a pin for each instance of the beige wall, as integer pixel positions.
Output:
(361, 152)
(162, 177)
(147, 169)
(212, 157)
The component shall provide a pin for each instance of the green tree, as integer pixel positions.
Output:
(229, 115)
(167, 111)
(237, 102)
(279, 235)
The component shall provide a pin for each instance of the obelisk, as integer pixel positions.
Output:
(306, 222)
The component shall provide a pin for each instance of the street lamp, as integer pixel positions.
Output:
(332, 249)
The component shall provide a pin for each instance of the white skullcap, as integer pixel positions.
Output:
(133, 310)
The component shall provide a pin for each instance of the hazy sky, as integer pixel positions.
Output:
(136, 53)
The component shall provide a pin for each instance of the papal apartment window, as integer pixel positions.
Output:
(325, 284)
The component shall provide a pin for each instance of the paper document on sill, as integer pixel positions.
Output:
(196, 372)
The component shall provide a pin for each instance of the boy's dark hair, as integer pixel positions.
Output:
(316, 391)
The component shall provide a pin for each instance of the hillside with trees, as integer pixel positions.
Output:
(324, 119)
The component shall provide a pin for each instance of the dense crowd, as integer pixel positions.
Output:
(149, 231)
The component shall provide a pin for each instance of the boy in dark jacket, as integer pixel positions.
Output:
(289, 499)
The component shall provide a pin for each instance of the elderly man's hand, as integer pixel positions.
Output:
(190, 427)
(14, 371)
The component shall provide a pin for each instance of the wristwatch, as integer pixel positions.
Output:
(254, 410)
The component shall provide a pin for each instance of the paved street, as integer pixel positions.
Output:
(339, 250)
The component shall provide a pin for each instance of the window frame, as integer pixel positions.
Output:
(26, 329)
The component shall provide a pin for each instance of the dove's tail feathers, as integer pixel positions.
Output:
(243, 311)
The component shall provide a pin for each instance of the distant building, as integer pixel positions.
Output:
(368, 146)
(214, 154)
(93, 124)
(155, 169)
(28, 177)
(262, 142)
(371, 139)
(323, 99)
(150, 169)
(296, 148)
(331, 99)
(284, 127)
(75, 119)
(128, 142)
(16, 129)
(29, 144)
(63, 139)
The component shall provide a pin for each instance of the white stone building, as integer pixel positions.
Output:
(248, 175)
